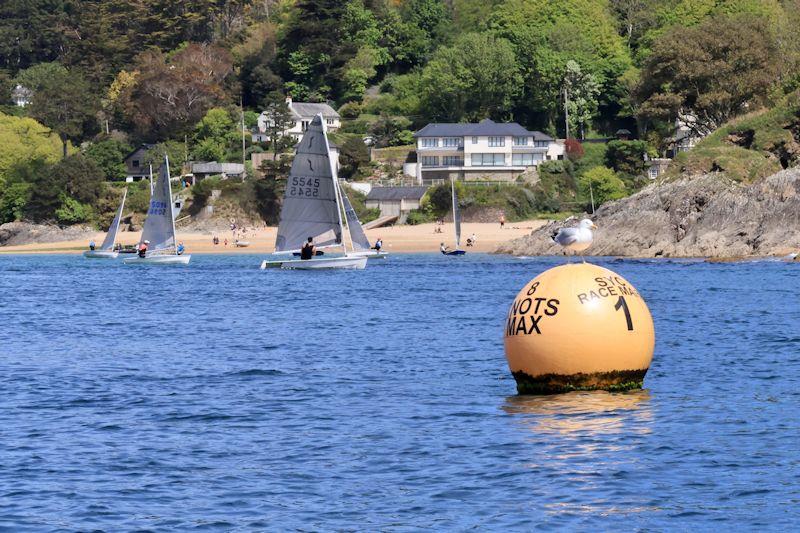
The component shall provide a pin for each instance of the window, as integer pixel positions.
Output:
(329, 121)
(474, 140)
(488, 160)
(304, 125)
(135, 163)
(520, 141)
(453, 161)
(541, 144)
(653, 172)
(429, 142)
(497, 141)
(430, 161)
(451, 142)
(520, 160)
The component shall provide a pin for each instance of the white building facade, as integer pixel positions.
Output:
(303, 113)
(487, 150)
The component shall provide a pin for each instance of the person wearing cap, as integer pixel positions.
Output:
(143, 248)
(378, 245)
(92, 245)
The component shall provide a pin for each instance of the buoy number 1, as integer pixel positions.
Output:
(621, 303)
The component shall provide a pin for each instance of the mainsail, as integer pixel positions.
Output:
(360, 241)
(456, 214)
(159, 227)
(309, 207)
(111, 236)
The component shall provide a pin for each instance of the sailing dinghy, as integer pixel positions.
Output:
(312, 207)
(159, 226)
(106, 250)
(361, 245)
(456, 223)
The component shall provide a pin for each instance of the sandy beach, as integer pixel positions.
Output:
(396, 239)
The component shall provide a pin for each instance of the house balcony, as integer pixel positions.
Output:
(443, 149)
(528, 149)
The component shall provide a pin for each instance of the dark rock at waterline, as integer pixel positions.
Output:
(702, 216)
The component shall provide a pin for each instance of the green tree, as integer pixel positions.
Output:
(390, 131)
(23, 140)
(627, 157)
(475, 78)
(603, 184)
(37, 76)
(279, 119)
(75, 177)
(580, 93)
(353, 157)
(707, 75)
(109, 154)
(63, 103)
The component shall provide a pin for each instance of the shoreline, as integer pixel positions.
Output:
(397, 239)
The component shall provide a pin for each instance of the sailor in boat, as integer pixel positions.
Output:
(143, 248)
(307, 251)
(378, 246)
(443, 248)
(92, 245)
(180, 248)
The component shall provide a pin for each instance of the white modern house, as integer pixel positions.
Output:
(487, 150)
(303, 113)
(22, 96)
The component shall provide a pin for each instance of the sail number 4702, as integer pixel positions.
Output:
(307, 187)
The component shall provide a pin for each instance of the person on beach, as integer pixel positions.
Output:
(143, 249)
(502, 220)
(471, 241)
(307, 251)
(92, 245)
(378, 245)
(180, 248)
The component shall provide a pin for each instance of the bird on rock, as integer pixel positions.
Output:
(575, 239)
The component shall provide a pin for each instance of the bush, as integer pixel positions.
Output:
(574, 149)
(627, 157)
(418, 216)
(109, 154)
(605, 185)
(350, 110)
(72, 211)
(13, 201)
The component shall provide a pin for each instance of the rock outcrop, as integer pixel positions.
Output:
(703, 216)
(18, 233)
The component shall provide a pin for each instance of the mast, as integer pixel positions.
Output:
(171, 202)
(151, 179)
(340, 197)
(119, 217)
(455, 215)
(335, 176)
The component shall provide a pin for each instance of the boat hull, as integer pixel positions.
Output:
(100, 254)
(329, 263)
(158, 260)
(370, 255)
(455, 252)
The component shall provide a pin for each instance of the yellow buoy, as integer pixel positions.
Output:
(578, 327)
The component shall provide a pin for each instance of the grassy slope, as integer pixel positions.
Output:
(751, 147)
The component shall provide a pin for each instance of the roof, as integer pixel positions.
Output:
(143, 146)
(308, 109)
(485, 127)
(396, 193)
(213, 167)
(623, 131)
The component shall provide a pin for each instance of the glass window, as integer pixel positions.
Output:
(135, 163)
(497, 141)
(520, 141)
(522, 160)
(430, 161)
(451, 141)
(329, 121)
(474, 140)
(488, 160)
(541, 144)
(453, 161)
(429, 142)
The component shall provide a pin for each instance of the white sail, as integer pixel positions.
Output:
(359, 238)
(456, 214)
(111, 236)
(159, 226)
(310, 207)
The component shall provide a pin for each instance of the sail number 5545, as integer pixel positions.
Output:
(308, 187)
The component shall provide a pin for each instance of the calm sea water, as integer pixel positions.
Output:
(222, 397)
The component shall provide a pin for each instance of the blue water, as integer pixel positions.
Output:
(222, 397)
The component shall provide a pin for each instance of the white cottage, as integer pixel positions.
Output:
(303, 113)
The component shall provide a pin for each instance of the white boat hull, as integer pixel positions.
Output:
(158, 260)
(370, 254)
(347, 262)
(100, 254)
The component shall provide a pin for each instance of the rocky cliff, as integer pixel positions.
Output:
(702, 216)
